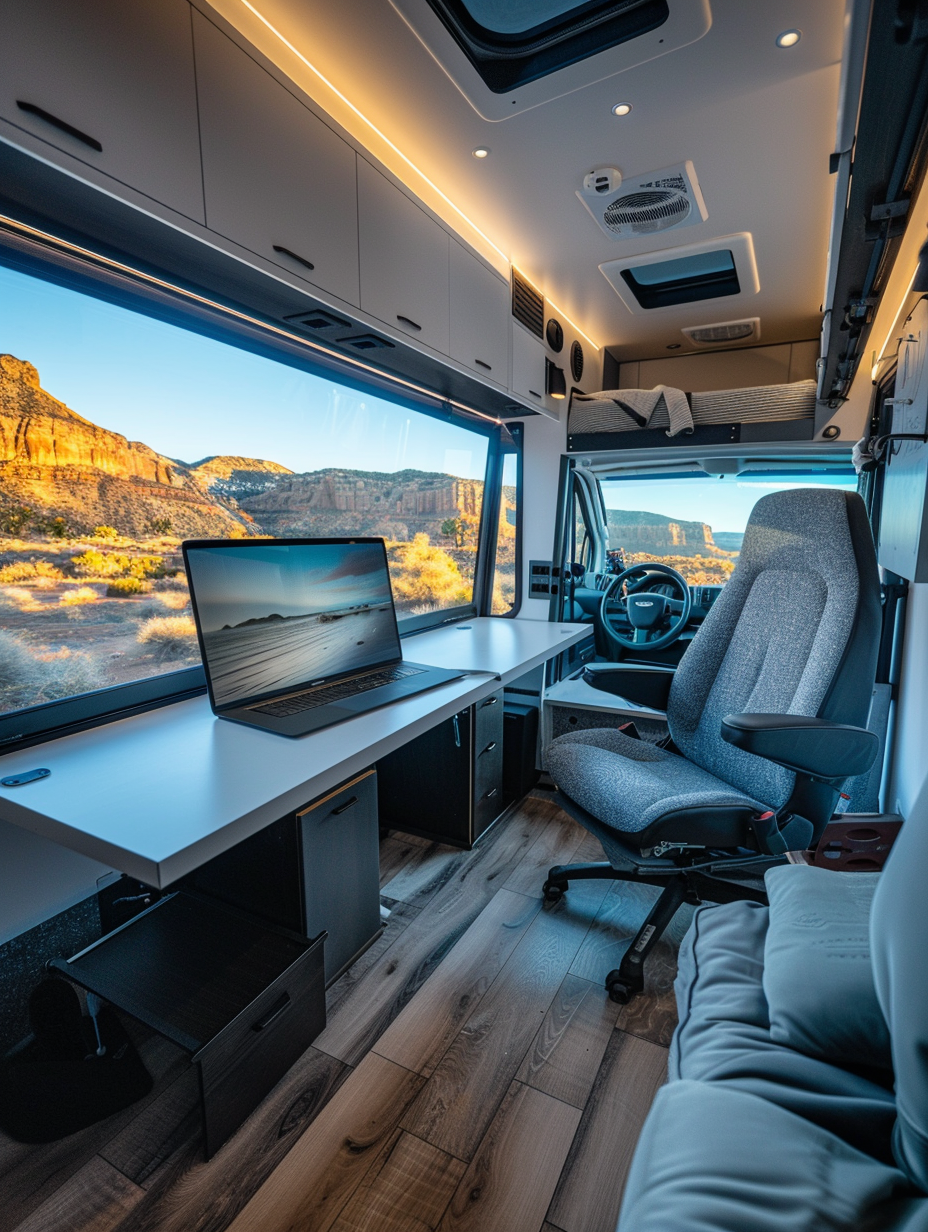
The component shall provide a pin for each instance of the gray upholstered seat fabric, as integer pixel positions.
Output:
(629, 783)
(774, 642)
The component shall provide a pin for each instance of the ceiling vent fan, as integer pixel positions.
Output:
(646, 204)
(724, 331)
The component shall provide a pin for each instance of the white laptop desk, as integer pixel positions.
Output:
(158, 794)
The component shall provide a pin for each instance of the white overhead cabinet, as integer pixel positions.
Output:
(277, 180)
(404, 261)
(479, 316)
(528, 366)
(111, 83)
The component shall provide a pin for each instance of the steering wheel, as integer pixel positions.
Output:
(656, 620)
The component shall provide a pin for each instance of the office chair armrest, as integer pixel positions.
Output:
(817, 747)
(645, 686)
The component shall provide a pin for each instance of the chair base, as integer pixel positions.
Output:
(680, 885)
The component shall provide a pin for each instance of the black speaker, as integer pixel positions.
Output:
(520, 740)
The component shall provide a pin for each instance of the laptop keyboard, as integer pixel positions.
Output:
(325, 694)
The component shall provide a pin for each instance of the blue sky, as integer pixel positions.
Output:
(247, 583)
(188, 396)
(724, 503)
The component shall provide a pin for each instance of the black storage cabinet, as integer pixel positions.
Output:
(448, 783)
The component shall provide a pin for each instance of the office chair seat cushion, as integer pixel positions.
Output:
(715, 1159)
(723, 1036)
(628, 784)
(818, 977)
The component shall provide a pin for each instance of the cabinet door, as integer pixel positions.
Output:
(341, 870)
(277, 180)
(404, 261)
(479, 316)
(528, 366)
(112, 84)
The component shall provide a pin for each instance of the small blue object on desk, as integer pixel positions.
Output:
(27, 776)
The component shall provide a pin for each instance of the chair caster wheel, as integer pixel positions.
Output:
(620, 993)
(620, 989)
(553, 891)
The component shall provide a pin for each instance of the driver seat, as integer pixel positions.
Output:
(766, 712)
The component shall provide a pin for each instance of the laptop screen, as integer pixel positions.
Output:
(275, 615)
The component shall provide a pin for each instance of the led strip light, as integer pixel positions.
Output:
(398, 152)
(55, 241)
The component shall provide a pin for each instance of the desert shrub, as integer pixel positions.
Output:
(161, 526)
(146, 567)
(55, 528)
(424, 573)
(13, 521)
(174, 600)
(120, 588)
(106, 532)
(28, 677)
(30, 570)
(170, 636)
(76, 598)
(21, 598)
(94, 563)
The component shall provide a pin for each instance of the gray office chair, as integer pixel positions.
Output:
(765, 711)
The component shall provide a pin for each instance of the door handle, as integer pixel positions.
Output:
(491, 793)
(282, 1003)
(407, 321)
(491, 701)
(491, 745)
(63, 125)
(481, 364)
(294, 256)
(343, 808)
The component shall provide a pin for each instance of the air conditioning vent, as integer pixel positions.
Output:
(576, 361)
(366, 342)
(528, 305)
(724, 331)
(317, 318)
(645, 204)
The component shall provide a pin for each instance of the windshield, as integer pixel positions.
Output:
(695, 523)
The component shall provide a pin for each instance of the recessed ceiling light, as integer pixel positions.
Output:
(480, 152)
(789, 38)
(621, 109)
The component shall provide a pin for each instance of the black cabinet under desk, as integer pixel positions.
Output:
(448, 783)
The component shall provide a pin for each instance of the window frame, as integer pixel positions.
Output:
(113, 282)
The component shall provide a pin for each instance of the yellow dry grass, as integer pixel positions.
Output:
(167, 631)
(78, 597)
(175, 600)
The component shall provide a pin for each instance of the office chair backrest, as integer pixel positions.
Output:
(794, 631)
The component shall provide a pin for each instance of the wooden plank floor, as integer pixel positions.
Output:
(473, 1075)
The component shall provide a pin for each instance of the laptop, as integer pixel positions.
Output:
(298, 634)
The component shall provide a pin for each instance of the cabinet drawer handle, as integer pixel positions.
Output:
(294, 256)
(343, 808)
(282, 1003)
(406, 321)
(534, 395)
(481, 364)
(63, 125)
(490, 746)
(491, 793)
(491, 701)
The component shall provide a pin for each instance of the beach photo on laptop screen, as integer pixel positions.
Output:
(277, 616)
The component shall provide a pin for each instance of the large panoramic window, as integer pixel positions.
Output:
(695, 523)
(121, 435)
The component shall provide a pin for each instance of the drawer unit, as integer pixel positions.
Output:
(245, 999)
(448, 783)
